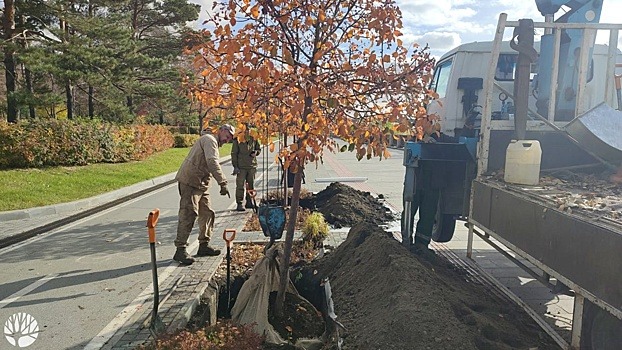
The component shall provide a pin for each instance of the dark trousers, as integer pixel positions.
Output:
(425, 201)
(246, 176)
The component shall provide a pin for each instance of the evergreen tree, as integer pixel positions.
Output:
(112, 59)
(8, 26)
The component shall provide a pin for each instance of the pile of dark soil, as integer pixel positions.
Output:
(344, 206)
(300, 319)
(391, 299)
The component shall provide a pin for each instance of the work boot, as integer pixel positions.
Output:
(423, 251)
(240, 207)
(419, 248)
(182, 257)
(206, 250)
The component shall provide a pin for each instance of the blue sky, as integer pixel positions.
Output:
(445, 24)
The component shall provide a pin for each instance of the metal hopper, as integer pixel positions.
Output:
(599, 131)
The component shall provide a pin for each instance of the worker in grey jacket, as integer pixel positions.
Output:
(193, 180)
(244, 161)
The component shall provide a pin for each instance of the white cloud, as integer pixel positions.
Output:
(435, 12)
(445, 24)
(206, 9)
(517, 9)
(439, 40)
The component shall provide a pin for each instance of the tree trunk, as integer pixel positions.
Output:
(289, 240)
(200, 117)
(90, 98)
(9, 60)
(27, 73)
(69, 97)
(31, 107)
(68, 93)
(91, 104)
(130, 104)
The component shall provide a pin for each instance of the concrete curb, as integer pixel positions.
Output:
(92, 202)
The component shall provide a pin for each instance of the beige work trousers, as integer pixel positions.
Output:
(194, 203)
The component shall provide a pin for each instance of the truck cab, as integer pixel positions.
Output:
(470, 61)
(488, 96)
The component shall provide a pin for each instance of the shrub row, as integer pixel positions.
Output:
(185, 140)
(51, 142)
(184, 129)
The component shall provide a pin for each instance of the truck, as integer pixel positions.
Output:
(561, 93)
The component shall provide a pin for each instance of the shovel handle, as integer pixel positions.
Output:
(252, 193)
(228, 235)
(152, 221)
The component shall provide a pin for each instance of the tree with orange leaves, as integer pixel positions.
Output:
(317, 71)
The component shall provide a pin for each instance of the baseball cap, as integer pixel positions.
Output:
(229, 128)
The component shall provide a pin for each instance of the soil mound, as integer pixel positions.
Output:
(391, 299)
(344, 206)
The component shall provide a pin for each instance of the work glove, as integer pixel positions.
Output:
(224, 191)
(236, 171)
(429, 139)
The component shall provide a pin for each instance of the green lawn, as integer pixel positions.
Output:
(27, 188)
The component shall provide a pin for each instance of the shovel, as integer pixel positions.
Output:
(156, 326)
(228, 235)
(252, 194)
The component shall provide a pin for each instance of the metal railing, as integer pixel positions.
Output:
(539, 122)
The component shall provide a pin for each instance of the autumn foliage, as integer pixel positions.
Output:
(221, 336)
(61, 142)
(312, 70)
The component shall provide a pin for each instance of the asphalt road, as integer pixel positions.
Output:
(76, 280)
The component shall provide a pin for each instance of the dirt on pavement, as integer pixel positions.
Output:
(389, 298)
(344, 206)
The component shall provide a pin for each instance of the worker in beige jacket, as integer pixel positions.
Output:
(193, 180)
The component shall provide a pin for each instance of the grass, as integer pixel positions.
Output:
(27, 188)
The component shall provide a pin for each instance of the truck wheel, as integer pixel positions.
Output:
(444, 225)
(601, 330)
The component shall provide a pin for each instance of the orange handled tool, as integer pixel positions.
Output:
(252, 194)
(228, 235)
(152, 220)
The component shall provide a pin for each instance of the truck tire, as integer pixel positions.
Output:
(444, 225)
(601, 330)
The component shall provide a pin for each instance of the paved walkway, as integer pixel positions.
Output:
(181, 292)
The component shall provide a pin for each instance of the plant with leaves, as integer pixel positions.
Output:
(314, 230)
(314, 70)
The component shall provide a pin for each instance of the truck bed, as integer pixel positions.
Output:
(567, 227)
(590, 197)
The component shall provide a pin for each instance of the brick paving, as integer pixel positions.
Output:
(176, 311)
(185, 286)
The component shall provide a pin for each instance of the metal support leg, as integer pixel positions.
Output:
(577, 322)
(469, 253)
(407, 200)
(407, 224)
